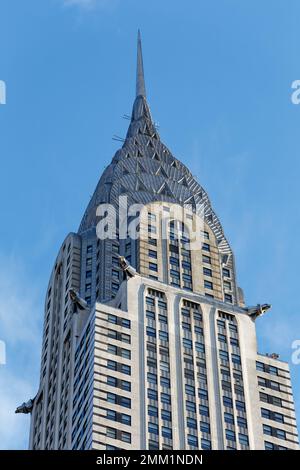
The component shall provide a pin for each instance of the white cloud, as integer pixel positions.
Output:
(21, 315)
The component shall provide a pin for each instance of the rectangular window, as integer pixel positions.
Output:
(235, 359)
(242, 422)
(228, 298)
(228, 418)
(207, 272)
(152, 378)
(240, 405)
(166, 432)
(163, 335)
(200, 347)
(166, 415)
(223, 355)
(205, 247)
(205, 444)
(152, 254)
(208, 284)
(165, 398)
(192, 440)
(165, 382)
(152, 394)
(243, 439)
(204, 427)
(206, 259)
(153, 428)
(190, 406)
(189, 390)
(125, 369)
(153, 267)
(203, 410)
(226, 272)
(151, 331)
(191, 423)
(187, 343)
(230, 435)
(227, 402)
(153, 411)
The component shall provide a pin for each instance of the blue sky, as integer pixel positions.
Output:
(218, 77)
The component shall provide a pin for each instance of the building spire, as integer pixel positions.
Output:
(140, 79)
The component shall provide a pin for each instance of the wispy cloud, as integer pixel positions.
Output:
(21, 313)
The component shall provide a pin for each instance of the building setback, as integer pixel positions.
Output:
(147, 341)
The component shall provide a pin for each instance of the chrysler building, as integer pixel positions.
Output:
(147, 340)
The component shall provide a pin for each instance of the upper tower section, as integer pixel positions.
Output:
(146, 171)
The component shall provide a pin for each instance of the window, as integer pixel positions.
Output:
(243, 439)
(151, 332)
(189, 390)
(190, 406)
(223, 355)
(152, 254)
(202, 394)
(152, 378)
(221, 323)
(88, 274)
(125, 385)
(125, 369)
(152, 394)
(191, 423)
(151, 216)
(207, 272)
(208, 284)
(150, 314)
(165, 382)
(111, 381)
(203, 410)
(240, 405)
(267, 430)
(230, 435)
(198, 330)
(226, 272)
(205, 235)
(150, 301)
(166, 415)
(228, 418)
(270, 399)
(227, 285)
(204, 427)
(125, 323)
(187, 343)
(242, 422)
(165, 398)
(152, 411)
(153, 428)
(206, 259)
(153, 267)
(205, 444)
(192, 440)
(234, 342)
(125, 437)
(112, 365)
(228, 298)
(89, 249)
(200, 347)
(166, 432)
(125, 419)
(222, 338)
(227, 402)
(205, 247)
(235, 359)
(232, 327)
(111, 432)
(163, 335)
